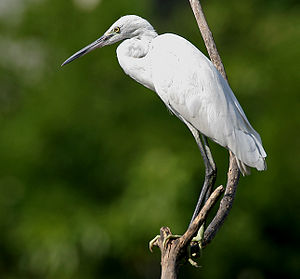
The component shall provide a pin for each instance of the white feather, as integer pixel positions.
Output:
(188, 83)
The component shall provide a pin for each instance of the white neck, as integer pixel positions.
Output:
(132, 57)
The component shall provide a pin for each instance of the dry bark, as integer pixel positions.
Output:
(173, 251)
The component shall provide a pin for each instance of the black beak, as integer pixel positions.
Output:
(97, 44)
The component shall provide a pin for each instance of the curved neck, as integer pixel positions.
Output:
(148, 33)
(135, 47)
(132, 57)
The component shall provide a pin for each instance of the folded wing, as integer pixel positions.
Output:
(189, 83)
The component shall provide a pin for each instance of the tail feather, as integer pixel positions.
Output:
(249, 152)
(245, 170)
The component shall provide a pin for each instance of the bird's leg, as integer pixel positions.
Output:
(208, 152)
(210, 166)
(210, 177)
(195, 247)
(210, 169)
(212, 174)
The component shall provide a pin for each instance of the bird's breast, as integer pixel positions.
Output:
(135, 62)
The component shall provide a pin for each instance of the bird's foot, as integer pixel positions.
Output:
(153, 243)
(194, 249)
(170, 237)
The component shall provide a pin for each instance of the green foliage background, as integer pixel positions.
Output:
(92, 164)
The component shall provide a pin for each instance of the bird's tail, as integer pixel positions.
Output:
(249, 152)
(244, 169)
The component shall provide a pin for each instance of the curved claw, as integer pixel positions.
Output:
(152, 242)
(194, 255)
(169, 237)
(193, 263)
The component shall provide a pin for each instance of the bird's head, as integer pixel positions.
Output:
(126, 27)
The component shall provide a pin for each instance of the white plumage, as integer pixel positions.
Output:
(187, 82)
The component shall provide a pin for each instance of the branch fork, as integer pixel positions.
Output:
(173, 250)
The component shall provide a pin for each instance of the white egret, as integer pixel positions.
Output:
(188, 84)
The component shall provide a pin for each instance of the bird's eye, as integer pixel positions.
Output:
(117, 30)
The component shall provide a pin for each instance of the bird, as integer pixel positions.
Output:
(188, 84)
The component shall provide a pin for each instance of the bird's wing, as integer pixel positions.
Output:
(189, 83)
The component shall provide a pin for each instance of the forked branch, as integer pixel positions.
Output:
(175, 250)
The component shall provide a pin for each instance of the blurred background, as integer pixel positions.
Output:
(92, 164)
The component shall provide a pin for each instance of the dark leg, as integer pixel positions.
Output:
(210, 166)
(210, 169)
(213, 173)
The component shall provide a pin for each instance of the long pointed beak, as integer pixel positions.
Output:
(97, 44)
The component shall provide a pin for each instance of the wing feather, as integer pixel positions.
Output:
(188, 82)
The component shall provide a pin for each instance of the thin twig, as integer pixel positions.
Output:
(225, 204)
(196, 224)
(207, 37)
(233, 172)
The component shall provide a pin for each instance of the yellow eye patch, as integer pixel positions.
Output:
(117, 30)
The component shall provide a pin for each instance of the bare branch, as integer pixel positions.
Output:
(233, 172)
(207, 37)
(196, 224)
(174, 249)
(226, 203)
